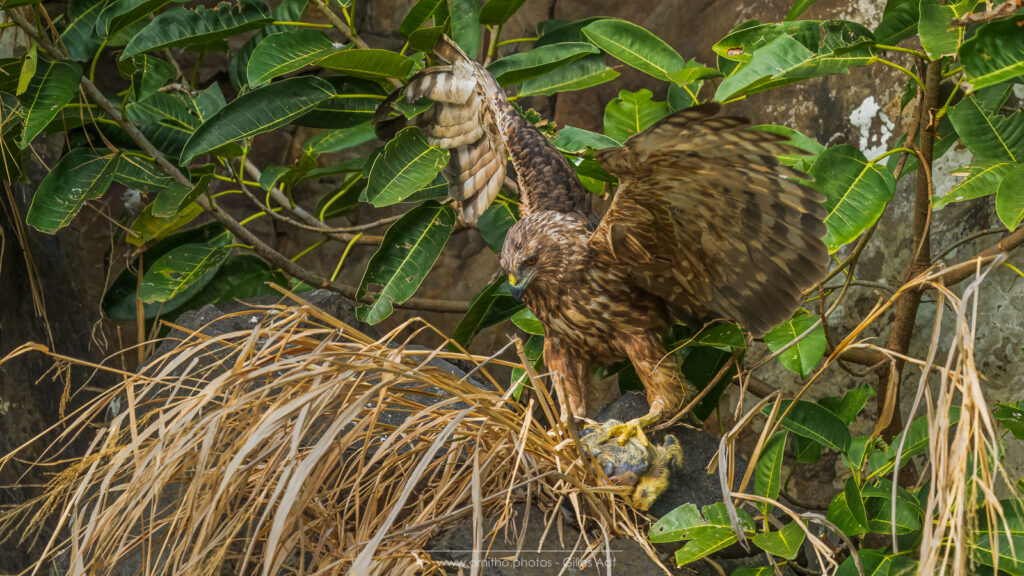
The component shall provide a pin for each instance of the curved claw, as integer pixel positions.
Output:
(623, 432)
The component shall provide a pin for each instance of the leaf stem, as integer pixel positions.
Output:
(901, 69)
(917, 53)
(514, 40)
(300, 24)
(348, 248)
(893, 151)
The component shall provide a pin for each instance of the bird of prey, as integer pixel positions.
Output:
(705, 223)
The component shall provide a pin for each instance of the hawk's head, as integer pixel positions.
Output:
(540, 249)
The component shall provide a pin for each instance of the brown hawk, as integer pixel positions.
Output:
(705, 224)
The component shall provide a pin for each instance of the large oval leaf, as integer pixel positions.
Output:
(407, 253)
(180, 26)
(420, 12)
(899, 22)
(182, 267)
(768, 474)
(991, 137)
(995, 54)
(407, 164)
(939, 35)
(117, 16)
(982, 179)
(465, 25)
(1010, 198)
(354, 103)
(583, 73)
(803, 356)
(492, 305)
(785, 543)
(286, 52)
(53, 85)
(256, 112)
(77, 37)
(636, 47)
(373, 64)
(856, 192)
(816, 423)
(519, 67)
(497, 12)
(632, 113)
(79, 176)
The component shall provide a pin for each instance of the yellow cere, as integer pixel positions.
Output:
(512, 279)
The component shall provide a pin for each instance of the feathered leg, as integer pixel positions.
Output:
(571, 375)
(667, 390)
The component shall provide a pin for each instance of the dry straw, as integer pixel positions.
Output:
(304, 446)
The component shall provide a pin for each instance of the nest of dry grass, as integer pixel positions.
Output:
(305, 446)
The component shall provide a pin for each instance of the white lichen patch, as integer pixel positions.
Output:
(871, 142)
(5, 406)
(133, 201)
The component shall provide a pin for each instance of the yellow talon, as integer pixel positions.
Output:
(627, 430)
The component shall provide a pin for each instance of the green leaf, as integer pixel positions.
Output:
(465, 21)
(420, 12)
(815, 423)
(407, 253)
(522, 66)
(147, 73)
(256, 112)
(875, 563)
(240, 276)
(572, 139)
(286, 52)
(850, 404)
(785, 543)
(811, 147)
(77, 37)
(119, 15)
(146, 228)
(856, 192)
(119, 302)
(632, 113)
(797, 51)
(28, 69)
(137, 172)
(899, 22)
(805, 451)
(407, 164)
(527, 322)
(497, 12)
(81, 175)
(372, 64)
(673, 526)
(425, 39)
(798, 8)
(181, 268)
(854, 501)
(53, 86)
(494, 304)
(939, 35)
(1010, 198)
(908, 510)
(340, 139)
(803, 356)
(995, 53)
(583, 73)
(768, 474)
(1011, 416)
(705, 540)
(991, 137)
(355, 102)
(1010, 555)
(636, 47)
(982, 179)
(496, 221)
(840, 514)
(198, 26)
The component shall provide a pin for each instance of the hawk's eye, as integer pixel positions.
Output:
(531, 260)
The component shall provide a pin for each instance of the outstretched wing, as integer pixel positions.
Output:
(706, 219)
(472, 117)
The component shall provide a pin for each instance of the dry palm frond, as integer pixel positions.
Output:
(304, 446)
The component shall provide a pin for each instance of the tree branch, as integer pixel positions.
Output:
(920, 260)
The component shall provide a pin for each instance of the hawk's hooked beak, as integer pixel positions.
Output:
(518, 285)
